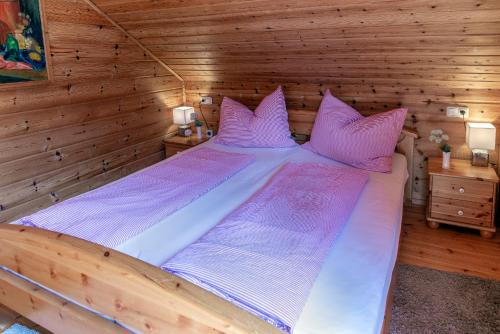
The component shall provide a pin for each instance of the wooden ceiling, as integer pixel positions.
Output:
(213, 40)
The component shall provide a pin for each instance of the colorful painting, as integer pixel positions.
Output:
(22, 50)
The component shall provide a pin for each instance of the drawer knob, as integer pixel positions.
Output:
(460, 213)
(461, 190)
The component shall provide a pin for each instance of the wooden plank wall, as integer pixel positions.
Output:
(102, 116)
(376, 55)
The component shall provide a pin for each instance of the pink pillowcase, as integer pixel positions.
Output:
(266, 127)
(343, 134)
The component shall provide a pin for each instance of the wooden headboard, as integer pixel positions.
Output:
(406, 146)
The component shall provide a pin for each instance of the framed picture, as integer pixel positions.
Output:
(23, 54)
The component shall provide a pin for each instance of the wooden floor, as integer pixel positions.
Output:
(448, 248)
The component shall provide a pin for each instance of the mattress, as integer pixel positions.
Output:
(350, 292)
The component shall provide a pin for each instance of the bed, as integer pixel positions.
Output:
(66, 283)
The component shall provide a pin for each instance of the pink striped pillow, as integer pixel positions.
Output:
(343, 134)
(266, 127)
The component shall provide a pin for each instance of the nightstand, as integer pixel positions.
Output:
(176, 144)
(463, 195)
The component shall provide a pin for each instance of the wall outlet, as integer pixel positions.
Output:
(206, 100)
(457, 111)
(464, 112)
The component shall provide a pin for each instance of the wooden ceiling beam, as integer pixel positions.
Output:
(139, 44)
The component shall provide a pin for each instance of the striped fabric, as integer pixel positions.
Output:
(267, 127)
(112, 214)
(343, 134)
(265, 255)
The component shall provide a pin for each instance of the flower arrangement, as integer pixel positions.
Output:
(439, 137)
(445, 148)
(198, 125)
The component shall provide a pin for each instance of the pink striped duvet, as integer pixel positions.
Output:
(119, 211)
(265, 256)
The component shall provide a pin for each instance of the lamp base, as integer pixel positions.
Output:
(480, 158)
(184, 131)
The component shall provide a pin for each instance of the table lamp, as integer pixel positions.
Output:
(480, 138)
(182, 117)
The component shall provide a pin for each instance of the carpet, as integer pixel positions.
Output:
(431, 301)
(19, 329)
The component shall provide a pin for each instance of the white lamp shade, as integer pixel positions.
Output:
(184, 115)
(481, 136)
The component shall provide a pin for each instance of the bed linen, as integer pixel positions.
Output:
(341, 133)
(265, 255)
(189, 223)
(266, 127)
(122, 209)
(350, 291)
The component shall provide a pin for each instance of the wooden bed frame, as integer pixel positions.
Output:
(126, 289)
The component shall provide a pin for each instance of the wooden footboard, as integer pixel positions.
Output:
(132, 292)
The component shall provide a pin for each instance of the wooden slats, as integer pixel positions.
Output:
(103, 116)
(49, 310)
(421, 54)
(75, 188)
(14, 194)
(124, 9)
(76, 12)
(330, 18)
(335, 42)
(31, 121)
(67, 92)
(19, 170)
(375, 55)
(403, 31)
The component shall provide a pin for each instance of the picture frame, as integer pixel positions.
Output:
(24, 46)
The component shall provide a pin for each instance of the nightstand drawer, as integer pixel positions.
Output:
(473, 213)
(463, 189)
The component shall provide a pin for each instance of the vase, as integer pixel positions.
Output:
(446, 160)
(198, 132)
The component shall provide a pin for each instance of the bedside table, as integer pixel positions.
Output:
(176, 144)
(463, 195)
